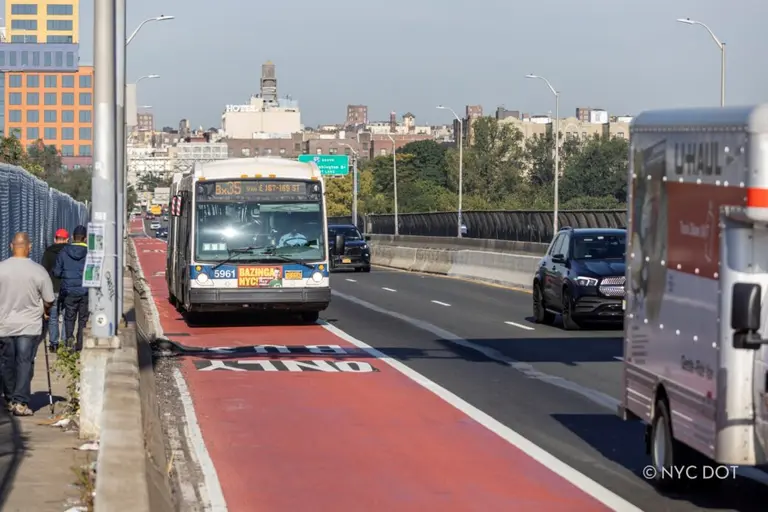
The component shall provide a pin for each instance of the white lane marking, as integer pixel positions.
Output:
(521, 326)
(534, 451)
(388, 289)
(441, 303)
(352, 280)
(212, 485)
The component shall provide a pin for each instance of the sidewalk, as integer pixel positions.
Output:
(38, 462)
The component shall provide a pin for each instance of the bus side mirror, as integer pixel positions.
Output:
(745, 315)
(340, 245)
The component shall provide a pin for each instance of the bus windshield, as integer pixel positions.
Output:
(259, 231)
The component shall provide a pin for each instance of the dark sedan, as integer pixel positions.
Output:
(357, 254)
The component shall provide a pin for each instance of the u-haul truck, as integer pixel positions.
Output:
(695, 353)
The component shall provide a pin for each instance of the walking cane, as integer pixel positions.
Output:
(48, 374)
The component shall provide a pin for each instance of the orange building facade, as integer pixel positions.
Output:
(54, 107)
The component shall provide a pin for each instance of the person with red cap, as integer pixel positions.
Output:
(60, 240)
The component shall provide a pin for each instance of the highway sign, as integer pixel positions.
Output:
(329, 165)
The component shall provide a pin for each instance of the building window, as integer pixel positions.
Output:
(60, 10)
(85, 150)
(49, 133)
(14, 116)
(246, 152)
(47, 59)
(50, 81)
(36, 59)
(67, 98)
(60, 25)
(67, 134)
(14, 81)
(23, 38)
(59, 59)
(33, 116)
(332, 151)
(25, 58)
(85, 98)
(14, 98)
(2, 57)
(67, 116)
(67, 150)
(24, 9)
(15, 132)
(33, 98)
(85, 116)
(33, 81)
(58, 39)
(12, 59)
(86, 81)
(70, 59)
(33, 133)
(50, 98)
(68, 81)
(620, 135)
(282, 151)
(49, 116)
(23, 24)
(319, 151)
(85, 133)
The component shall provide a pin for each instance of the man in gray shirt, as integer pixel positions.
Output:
(26, 296)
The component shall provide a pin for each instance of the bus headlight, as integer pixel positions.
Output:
(317, 277)
(202, 278)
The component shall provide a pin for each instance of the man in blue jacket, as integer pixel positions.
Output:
(70, 266)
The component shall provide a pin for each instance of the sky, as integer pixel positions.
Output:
(409, 56)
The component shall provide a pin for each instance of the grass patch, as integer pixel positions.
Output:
(67, 367)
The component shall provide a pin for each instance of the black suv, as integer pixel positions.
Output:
(357, 254)
(581, 277)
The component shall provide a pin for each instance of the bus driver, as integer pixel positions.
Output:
(291, 237)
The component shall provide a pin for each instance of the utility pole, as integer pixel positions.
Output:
(122, 198)
(103, 300)
(354, 183)
(394, 180)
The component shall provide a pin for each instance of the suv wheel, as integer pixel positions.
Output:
(567, 312)
(540, 313)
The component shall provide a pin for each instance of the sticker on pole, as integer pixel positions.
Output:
(101, 320)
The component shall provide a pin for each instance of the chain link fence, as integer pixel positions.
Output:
(28, 204)
(522, 226)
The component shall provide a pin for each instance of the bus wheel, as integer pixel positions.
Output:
(310, 317)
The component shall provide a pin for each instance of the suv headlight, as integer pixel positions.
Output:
(586, 281)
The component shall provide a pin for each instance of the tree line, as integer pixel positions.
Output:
(502, 171)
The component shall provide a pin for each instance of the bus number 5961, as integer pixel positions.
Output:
(224, 273)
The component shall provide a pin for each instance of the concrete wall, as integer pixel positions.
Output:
(497, 261)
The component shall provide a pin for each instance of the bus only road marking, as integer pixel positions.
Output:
(266, 365)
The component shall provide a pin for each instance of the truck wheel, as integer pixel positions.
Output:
(310, 317)
(667, 454)
(540, 313)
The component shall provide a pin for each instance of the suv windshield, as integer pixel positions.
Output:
(599, 247)
(350, 233)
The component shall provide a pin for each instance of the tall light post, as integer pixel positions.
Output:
(394, 178)
(720, 45)
(146, 77)
(557, 149)
(162, 17)
(354, 181)
(461, 162)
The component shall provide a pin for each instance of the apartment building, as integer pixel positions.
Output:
(42, 21)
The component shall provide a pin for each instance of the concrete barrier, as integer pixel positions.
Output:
(497, 261)
(131, 467)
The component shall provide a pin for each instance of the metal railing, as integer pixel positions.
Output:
(28, 204)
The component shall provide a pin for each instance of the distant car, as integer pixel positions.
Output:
(357, 254)
(155, 225)
(165, 218)
(582, 278)
(161, 233)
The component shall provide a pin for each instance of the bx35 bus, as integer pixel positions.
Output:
(249, 233)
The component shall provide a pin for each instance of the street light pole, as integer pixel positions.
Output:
(354, 183)
(557, 151)
(122, 178)
(720, 45)
(162, 17)
(461, 165)
(394, 177)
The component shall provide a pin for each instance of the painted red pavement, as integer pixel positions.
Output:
(315, 441)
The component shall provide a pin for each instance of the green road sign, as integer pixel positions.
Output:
(329, 165)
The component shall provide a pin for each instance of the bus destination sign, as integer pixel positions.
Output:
(262, 190)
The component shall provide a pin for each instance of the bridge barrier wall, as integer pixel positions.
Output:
(28, 204)
(525, 226)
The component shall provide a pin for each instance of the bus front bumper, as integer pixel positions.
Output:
(293, 299)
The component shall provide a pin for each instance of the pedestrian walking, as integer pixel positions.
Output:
(60, 240)
(69, 267)
(26, 297)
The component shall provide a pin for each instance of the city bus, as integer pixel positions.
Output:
(249, 233)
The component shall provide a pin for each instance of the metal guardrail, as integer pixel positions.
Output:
(28, 204)
(522, 226)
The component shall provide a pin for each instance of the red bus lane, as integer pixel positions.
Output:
(300, 418)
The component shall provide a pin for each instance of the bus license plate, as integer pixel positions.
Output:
(346, 260)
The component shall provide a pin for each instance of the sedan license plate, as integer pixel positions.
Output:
(346, 260)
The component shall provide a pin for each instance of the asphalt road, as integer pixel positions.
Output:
(557, 388)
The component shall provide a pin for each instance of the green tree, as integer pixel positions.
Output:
(598, 170)
(46, 156)
(426, 163)
(539, 154)
(133, 198)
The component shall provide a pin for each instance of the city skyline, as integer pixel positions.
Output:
(630, 58)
